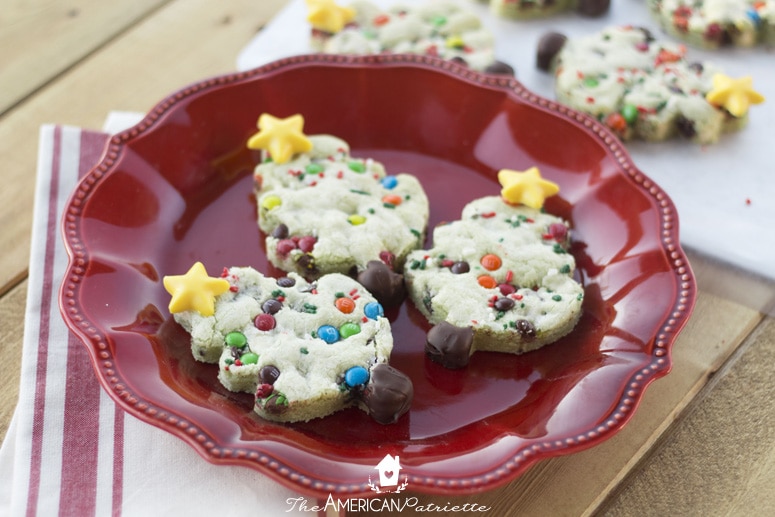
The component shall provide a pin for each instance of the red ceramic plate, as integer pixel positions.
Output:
(177, 188)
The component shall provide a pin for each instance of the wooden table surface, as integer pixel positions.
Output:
(701, 443)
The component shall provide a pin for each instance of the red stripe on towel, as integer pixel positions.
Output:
(47, 289)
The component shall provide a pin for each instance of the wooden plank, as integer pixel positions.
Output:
(578, 484)
(40, 39)
(723, 451)
(186, 41)
(11, 332)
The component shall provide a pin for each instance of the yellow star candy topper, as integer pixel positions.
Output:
(282, 138)
(194, 291)
(734, 95)
(526, 188)
(327, 16)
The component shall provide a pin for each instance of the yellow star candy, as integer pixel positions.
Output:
(734, 95)
(526, 188)
(194, 291)
(326, 15)
(281, 137)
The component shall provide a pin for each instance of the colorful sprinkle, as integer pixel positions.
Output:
(328, 333)
(389, 182)
(491, 262)
(373, 310)
(345, 305)
(265, 322)
(392, 199)
(249, 358)
(349, 329)
(356, 376)
(356, 219)
(270, 202)
(236, 339)
(487, 281)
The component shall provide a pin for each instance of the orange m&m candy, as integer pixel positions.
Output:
(491, 262)
(345, 305)
(487, 281)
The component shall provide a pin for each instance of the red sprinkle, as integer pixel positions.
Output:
(488, 215)
(234, 289)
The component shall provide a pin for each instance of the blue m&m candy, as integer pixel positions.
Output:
(356, 376)
(328, 333)
(389, 182)
(373, 310)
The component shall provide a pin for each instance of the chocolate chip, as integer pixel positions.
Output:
(280, 232)
(271, 306)
(307, 263)
(549, 46)
(384, 284)
(593, 7)
(459, 60)
(286, 282)
(504, 304)
(449, 345)
(388, 394)
(526, 329)
(685, 126)
(460, 267)
(268, 374)
(500, 68)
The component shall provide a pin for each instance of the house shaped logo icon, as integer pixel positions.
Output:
(388, 469)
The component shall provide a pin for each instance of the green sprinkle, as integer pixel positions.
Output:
(415, 264)
(416, 233)
(349, 329)
(309, 308)
(591, 82)
(389, 205)
(229, 362)
(580, 296)
(236, 339)
(303, 350)
(249, 358)
(362, 192)
(277, 293)
(357, 166)
(314, 168)
(339, 295)
(557, 298)
(565, 269)
(630, 113)
(559, 249)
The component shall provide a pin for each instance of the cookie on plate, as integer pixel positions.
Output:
(715, 23)
(438, 28)
(498, 279)
(642, 88)
(305, 350)
(527, 9)
(325, 211)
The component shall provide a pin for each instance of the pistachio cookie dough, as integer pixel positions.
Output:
(528, 9)
(325, 211)
(500, 278)
(642, 88)
(439, 28)
(716, 23)
(305, 350)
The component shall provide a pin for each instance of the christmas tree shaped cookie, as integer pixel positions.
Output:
(500, 278)
(305, 350)
(325, 211)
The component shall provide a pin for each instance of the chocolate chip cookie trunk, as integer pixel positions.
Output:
(501, 270)
(305, 350)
